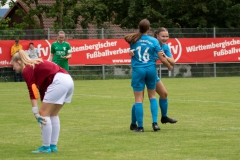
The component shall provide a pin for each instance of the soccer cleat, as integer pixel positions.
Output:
(155, 126)
(42, 149)
(53, 148)
(139, 129)
(133, 126)
(168, 120)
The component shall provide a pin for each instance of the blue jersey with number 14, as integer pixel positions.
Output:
(145, 50)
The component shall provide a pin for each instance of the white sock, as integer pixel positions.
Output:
(47, 132)
(55, 129)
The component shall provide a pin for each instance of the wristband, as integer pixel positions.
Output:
(35, 110)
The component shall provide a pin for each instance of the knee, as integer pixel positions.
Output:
(164, 95)
(43, 113)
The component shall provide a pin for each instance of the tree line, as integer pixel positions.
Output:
(69, 14)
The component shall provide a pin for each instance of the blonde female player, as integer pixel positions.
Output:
(55, 86)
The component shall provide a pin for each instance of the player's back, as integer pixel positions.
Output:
(145, 50)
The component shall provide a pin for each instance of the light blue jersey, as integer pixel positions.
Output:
(143, 73)
(168, 53)
(145, 51)
(166, 50)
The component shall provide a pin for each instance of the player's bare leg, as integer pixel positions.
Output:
(163, 103)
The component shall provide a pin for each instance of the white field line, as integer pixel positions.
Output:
(230, 128)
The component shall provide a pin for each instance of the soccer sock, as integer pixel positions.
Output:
(154, 109)
(133, 115)
(55, 129)
(163, 106)
(139, 113)
(47, 132)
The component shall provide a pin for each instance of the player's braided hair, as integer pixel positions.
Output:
(24, 58)
(143, 27)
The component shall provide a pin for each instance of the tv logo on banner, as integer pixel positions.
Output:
(176, 49)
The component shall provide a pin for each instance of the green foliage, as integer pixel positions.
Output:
(183, 14)
(181, 72)
(227, 69)
(10, 34)
(4, 23)
(78, 12)
(33, 18)
(4, 2)
(204, 14)
(71, 14)
(129, 13)
(202, 70)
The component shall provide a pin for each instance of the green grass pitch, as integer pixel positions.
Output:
(96, 124)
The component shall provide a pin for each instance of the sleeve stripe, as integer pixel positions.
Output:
(35, 91)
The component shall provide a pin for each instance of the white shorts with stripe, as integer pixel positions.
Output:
(61, 90)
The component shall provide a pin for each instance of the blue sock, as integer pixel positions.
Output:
(154, 109)
(134, 119)
(139, 113)
(163, 106)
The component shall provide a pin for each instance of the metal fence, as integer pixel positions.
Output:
(179, 71)
(115, 33)
(124, 71)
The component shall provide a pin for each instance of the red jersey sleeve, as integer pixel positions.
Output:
(28, 75)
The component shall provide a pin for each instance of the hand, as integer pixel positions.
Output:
(170, 68)
(63, 57)
(131, 52)
(40, 119)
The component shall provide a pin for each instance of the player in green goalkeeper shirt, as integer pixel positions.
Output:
(61, 51)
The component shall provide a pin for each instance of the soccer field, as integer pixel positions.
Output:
(96, 124)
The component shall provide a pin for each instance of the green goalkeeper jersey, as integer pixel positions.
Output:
(58, 50)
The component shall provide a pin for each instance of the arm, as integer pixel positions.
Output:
(28, 75)
(27, 52)
(52, 52)
(165, 61)
(168, 54)
(51, 57)
(12, 51)
(35, 111)
(171, 60)
(36, 50)
(69, 53)
(68, 56)
(34, 102)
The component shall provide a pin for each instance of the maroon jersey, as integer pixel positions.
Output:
(40, 77)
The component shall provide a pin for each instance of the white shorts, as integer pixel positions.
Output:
(61, 90)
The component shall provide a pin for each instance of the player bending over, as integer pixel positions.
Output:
(55, 86)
